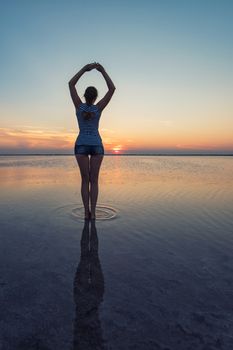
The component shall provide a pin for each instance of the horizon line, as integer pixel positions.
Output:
(119, 154)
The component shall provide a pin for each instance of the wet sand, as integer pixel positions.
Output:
(154, 271)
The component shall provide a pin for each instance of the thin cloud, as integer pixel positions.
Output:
(35, 138)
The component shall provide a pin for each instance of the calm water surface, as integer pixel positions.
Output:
(155, 271)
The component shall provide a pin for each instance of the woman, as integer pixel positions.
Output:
(89, 141)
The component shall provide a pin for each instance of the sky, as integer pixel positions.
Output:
(170, 60)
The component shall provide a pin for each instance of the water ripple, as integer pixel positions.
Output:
(76, 212)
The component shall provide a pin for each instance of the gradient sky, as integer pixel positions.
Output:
(171, 62)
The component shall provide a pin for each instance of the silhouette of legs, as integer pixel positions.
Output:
(83, 162)
(95, 163)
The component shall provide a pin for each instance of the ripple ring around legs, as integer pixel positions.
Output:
(76, 212)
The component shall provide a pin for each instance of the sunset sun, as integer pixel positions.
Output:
(117, 149)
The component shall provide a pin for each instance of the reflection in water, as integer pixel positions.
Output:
(88, 293)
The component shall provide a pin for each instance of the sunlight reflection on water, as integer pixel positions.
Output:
(165, 245)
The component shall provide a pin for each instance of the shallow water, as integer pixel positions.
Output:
(154, 272)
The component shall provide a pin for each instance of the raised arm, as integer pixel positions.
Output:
(111, 88)
(73, 81)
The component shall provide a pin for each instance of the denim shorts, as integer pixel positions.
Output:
(89, 149)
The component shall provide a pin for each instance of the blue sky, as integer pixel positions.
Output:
(171, 62)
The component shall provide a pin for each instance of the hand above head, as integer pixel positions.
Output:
(88, 67)
(99, 67)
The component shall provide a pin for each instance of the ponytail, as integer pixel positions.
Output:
(87, 115)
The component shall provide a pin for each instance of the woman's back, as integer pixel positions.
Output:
(88, 120)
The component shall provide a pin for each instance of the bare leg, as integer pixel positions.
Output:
(83, 162)
(95, 164)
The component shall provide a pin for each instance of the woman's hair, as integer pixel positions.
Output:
(90, 94)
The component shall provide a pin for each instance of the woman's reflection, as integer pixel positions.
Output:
(88, 293)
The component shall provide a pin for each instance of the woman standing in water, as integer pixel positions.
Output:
(89, 141)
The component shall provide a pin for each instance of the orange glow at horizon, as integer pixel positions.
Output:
(43, 139)
(117, 149)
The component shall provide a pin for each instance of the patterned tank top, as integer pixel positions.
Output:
(88, 117)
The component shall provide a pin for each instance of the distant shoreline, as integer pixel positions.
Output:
(125, 154)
